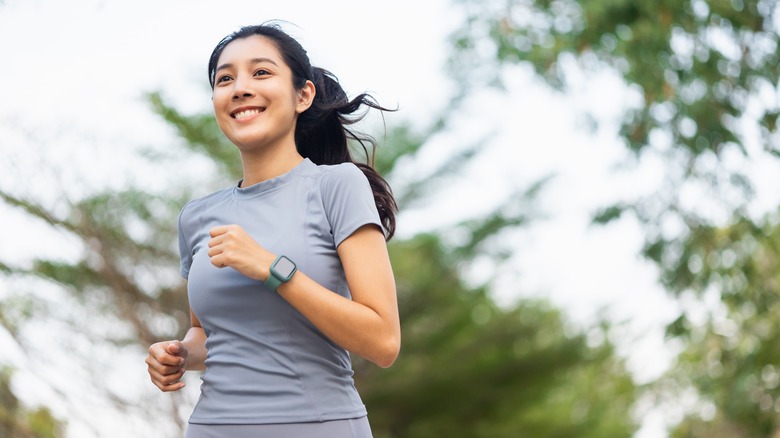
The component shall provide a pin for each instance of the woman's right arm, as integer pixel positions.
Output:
(195, 343)
(168, 360)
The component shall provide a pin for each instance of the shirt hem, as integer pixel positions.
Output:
(291, 420)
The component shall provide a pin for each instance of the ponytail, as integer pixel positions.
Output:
(321, 133)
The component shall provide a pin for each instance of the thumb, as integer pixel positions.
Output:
(175, 348)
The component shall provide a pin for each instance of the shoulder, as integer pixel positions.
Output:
(343, 181)
(198, 205)
(341, 174)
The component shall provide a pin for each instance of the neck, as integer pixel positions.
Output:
(266, 164)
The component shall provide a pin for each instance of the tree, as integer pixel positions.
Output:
(499, 370)
(494, 370)
(705, 74)
(17, 421)
(518, 370)
(470, 368)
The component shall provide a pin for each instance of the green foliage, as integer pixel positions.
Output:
(732, 357)
(668, 48)
(698, 65)
(18, 422)
(17, 310)
(707, 73)
(200, 134)
(399, 142)
(469, 368)
(127, 240)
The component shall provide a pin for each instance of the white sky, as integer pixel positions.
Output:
(81, 68)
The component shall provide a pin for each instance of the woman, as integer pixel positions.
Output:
(288, 271)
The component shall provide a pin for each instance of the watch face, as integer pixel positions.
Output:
(284, 267)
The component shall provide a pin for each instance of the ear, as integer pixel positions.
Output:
(305, 97)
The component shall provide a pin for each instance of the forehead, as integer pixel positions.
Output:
(248, 48)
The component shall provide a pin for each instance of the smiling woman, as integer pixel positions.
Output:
(288, 270)
(255, 103)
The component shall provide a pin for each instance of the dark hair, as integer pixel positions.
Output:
(321, 133)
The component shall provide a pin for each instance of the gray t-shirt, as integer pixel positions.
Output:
(266, 363)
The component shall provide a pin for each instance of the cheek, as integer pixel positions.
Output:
(217, 100)
(222, 126)
(218, 105)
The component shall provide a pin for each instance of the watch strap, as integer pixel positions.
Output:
(272, 282)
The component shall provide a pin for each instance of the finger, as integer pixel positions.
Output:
(169, 379)
(161, 349)
(177, 355)
(218, 230)
(153, 362)
(216, 240)
(160, 369)
(218, 261)
(163, 374)
(174, 387)
(156, 375)
(165, 359)
(215, 251)
(167, 385)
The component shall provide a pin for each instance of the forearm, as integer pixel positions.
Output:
(355, 327)
(195, 342)
(367, 325)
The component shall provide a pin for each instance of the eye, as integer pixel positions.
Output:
(223, 78)
(262, 72)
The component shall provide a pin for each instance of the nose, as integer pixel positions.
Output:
(241, 90)
(241, 94)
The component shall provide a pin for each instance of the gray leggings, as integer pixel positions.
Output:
(351, 428)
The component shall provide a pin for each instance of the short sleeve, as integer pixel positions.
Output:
(185, 254)
(348, 201)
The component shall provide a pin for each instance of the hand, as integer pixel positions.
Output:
(166, 361)
(231, 246)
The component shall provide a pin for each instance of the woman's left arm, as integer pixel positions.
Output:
(367, 325)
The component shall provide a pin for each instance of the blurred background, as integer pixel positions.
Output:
(589, 237)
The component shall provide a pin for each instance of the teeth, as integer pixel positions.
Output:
(246, 113)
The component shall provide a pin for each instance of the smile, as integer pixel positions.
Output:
(245, 113)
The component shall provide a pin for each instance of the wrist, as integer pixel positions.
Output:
(281, 271)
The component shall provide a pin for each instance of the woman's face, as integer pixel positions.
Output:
(255, 104)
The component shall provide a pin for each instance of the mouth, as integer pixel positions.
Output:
(245, 113)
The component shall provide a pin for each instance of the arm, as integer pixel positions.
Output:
(168, 360)
(195, 344)
(368, 325)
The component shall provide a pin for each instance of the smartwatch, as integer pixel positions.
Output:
(282, 270)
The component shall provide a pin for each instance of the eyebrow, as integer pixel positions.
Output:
(251, 61)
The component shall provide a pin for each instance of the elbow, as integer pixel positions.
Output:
(389, 353)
